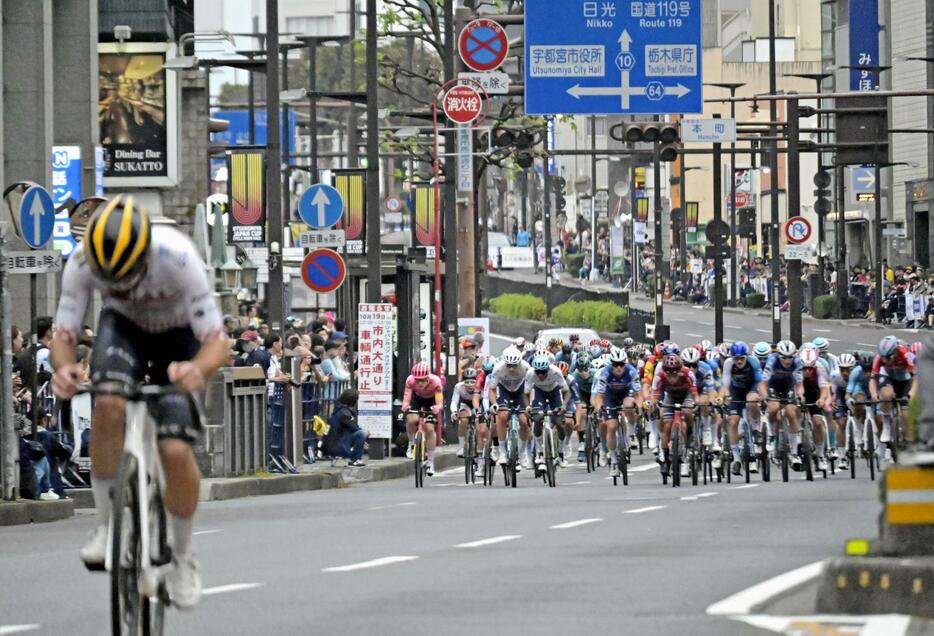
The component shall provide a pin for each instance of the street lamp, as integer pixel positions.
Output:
(734, 279)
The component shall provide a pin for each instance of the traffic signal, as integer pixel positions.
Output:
(667, 135)
(747, 223)
(525, 158)
(822, 203)
(558, 184)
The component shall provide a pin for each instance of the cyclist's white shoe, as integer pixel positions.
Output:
(795, 463)
(184, 583)
(886, 435)
(430, 467)
(410, 453)
(633, 442)
(603, 459)
(614, 469)
(753, 466)
(494, 453)
(715, 461)
(685, 469)
(501, 458)
(844, 463)
(888, 454)
(821, 464)
(526, 461)
(94, 551)
(460, 452)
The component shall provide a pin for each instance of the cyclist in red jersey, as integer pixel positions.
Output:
(892, 377)
(676, 384)
(423, 390)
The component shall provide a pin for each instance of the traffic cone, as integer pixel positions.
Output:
(667, 291)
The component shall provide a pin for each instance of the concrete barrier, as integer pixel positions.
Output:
(21, 512)
(877, 585)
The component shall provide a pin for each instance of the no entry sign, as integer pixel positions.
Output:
(483, 45)
(463, 104)
(323, 270)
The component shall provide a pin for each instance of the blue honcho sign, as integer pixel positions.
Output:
(66, 184)
(613, 57)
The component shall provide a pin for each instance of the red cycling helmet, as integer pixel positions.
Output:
(915, 347)
(564, 368)
(703, 352)
(421, 370)
(606, 344)
(595, 341)
(671, 364)
(658, 350)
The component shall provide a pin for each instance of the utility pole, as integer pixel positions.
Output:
(373, 248)
(841, 243)
(773, 187)
(877, 247)
(718, 260)
(593, 192)
(546, 216)
(449, 299)
(794, 205)
(276, 299)
(313, 106)
(352, 147)
(659, 258)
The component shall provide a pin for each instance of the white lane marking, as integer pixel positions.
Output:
(763, 330)
(733, 327)
(643, 468)
(698, 496)
(579, 483)
(490, 541)
(458, 470)
(867, 344)
(18, 629)
(679, 320)
(636, 511)
(702, 322)
(867, 625)
(395, 505)
(375, 563)
(233, 587)
(744, 601)
(506, 338)
(698, 306)
(832, 339)
(694, 335)
(441, 485)
(745, 486)
(823, 330)
(574, 524)
(200, 532)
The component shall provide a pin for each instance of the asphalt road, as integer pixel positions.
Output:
(585, 557)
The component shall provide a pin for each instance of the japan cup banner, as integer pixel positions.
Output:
(424, 221)
(246, 193)
(352, 187)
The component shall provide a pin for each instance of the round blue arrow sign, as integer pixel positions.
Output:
(36, 217)
(321, 206)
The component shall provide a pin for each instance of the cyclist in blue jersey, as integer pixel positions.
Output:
(581, 381)
(742, 388)
(615, 388)
(784, 380)
(706, 394)
(857, 387)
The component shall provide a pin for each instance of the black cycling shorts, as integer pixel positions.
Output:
(127, 355)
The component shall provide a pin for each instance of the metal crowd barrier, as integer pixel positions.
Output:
(305, 402)
(234, 437)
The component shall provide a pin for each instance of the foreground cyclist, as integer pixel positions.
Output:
(159, 319)
(423, 391)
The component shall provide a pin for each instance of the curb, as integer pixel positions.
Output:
(877, 585)
(25, 511)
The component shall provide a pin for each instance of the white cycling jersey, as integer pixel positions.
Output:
(554, 379)
(174, 291)
(510, 379)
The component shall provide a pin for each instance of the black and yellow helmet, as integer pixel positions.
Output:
(117, 239)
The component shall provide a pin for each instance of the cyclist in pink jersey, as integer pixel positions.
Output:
(423, 390)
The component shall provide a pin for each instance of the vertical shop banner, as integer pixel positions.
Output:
(352, 186)
(246, 194)
(137, 114)
(692, 209)
(66, 184)
(864, 44)
(642, 209)
(424, 219)
(374, 368)
(617, 250)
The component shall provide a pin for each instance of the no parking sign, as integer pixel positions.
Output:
(483, 45)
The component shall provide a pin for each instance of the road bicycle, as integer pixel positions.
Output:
(549, 445)
(782, 448)
(470, 450)
(678, 440)
(862, 439)
(623, 452)
(420, 448)
(138, 557)
(592, 439)
(893, 424)
(808, 448)
(512, 446)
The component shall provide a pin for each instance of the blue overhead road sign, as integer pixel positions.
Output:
(613, 57)
(864, 179)
(321, 206)
(36, 216)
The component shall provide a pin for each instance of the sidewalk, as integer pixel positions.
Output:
(15, 513)
(639, 301)
(318, 476)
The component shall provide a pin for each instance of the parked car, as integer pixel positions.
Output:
(585, 335)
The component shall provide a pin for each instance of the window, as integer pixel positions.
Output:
(828, 24)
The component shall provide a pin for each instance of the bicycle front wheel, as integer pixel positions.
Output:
(154, 608)
(126, 601)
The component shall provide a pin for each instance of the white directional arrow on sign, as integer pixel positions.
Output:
(577, 91)
(624, 41)
(321, 201)
(37, 211)
(867, 178)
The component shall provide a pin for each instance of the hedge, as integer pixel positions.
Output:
(601, 316)
(523, 306)
(824, 306)
(574, 263)
(755, 300)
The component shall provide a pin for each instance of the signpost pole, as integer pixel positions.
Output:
(841, 244)
(275, 292)
(9, 448)
(546, 217)
(372, 239)
(718, 246)
(877, 236)
(794, 206)
(734, 276)
(773, 188)
(33, 310)
(659, 257)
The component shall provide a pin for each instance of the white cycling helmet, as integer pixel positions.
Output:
(724, 349)
(597, 364)
(847, 361)
(822, 344)
(809, 356)
(690, 356)
(786, 348)
(707, 345)
(618, 355)
(519, 343)
(512, 356)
